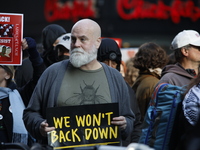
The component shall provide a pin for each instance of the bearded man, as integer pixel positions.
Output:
(82, 75)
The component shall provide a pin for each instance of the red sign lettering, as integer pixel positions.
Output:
(139, 9)
(70, 10)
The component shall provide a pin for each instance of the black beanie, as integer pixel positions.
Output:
(109, 50)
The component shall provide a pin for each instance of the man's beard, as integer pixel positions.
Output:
(78, 57)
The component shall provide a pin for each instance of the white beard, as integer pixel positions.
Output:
(78, 57)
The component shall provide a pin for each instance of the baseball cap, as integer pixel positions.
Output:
(65, 40)
(184, 38)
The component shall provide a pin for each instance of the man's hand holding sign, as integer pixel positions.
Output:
(89, 125)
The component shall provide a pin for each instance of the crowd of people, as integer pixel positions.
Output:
(54, 76)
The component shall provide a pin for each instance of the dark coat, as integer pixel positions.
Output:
(49, 35)
(25, 92)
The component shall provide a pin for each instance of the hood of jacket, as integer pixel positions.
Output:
(49, 35)
(177, 69)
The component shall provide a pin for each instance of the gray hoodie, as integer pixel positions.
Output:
(176, 75)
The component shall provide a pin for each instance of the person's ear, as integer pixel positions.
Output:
(184, 51)
(7, 76)
(98, 42)
(55, 43)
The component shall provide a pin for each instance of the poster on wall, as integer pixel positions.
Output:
(11, 33)
(83, 126)
(128, 53)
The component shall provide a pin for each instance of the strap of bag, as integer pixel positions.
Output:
(155, 94)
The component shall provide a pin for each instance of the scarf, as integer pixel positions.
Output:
(156, 70)
(191, 105)
(20, 134)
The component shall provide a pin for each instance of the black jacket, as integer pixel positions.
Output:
(49, 35)
(25, 92)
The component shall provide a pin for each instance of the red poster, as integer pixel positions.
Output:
(11, 32)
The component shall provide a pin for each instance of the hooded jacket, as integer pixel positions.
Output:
(176, 75)
(49, 35)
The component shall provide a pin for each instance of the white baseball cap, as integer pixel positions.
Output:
(65, 40)
(184, 38)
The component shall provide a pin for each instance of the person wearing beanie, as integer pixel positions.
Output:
(50, 35)
(14, 99)
(110, 53)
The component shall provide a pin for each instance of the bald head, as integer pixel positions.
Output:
(85, 41)
(89, 26)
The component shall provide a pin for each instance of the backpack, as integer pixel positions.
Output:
(159, 121)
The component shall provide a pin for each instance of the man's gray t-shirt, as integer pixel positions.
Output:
(82, 87)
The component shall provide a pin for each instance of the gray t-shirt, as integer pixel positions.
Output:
(81, 87)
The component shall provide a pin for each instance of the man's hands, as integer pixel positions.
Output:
(28, 43)
(24, 44)
(119, 121)
(44, 128)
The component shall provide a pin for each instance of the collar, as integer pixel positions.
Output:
(191, 72)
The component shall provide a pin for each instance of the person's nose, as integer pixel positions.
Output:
(77, 43)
